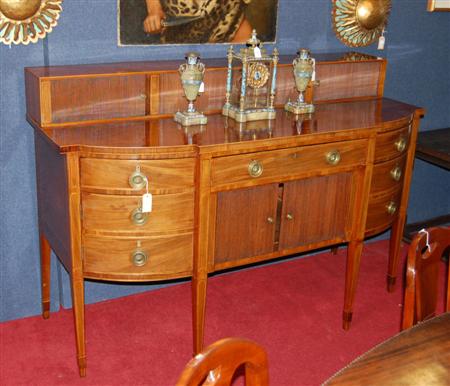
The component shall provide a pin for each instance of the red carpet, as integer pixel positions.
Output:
(293, 309)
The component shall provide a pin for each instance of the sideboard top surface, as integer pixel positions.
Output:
(120, 68)
(332, 120)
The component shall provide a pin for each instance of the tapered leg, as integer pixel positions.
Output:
(394, 251)
(45, 276)
(351, 280)
(199, 284)
(78, 313)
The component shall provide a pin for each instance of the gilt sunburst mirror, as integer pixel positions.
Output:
(360, 22)
(26, 21)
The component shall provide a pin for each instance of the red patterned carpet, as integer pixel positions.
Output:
(292, 308)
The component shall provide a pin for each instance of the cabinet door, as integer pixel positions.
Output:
(315, 210)
(245, 223)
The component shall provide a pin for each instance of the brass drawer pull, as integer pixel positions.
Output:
(396, 173)
(139, 258)
(333, 157)
(400, 144)
(270, 220)
(255, 168)
(138, 217)
(289, 216)
(137, 180)
(391, 207)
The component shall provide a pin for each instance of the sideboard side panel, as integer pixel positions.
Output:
(54, 219)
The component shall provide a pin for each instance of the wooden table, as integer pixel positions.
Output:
(434, 146)
(417, 356)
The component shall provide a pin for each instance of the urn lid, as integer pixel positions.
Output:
(192, 57)
(304, 53)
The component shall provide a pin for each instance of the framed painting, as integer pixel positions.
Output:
(154, 22)
(438, 5)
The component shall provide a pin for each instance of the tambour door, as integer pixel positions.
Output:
(245, 223)
(315, 209)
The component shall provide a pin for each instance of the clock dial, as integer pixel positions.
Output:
(258, 74)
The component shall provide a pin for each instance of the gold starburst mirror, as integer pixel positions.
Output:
(359, 22)
(25, 21)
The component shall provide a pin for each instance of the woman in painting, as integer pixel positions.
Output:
(219, 22)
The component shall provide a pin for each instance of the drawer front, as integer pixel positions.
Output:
(136, 259)
(387, 175)
(382, 211)
(126, 176)
(116, 213)
(288, 162)
(392, 144)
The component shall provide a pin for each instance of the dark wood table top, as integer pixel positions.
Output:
(417, 356)
(434, 146)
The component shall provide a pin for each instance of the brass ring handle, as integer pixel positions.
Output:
(333, 157)
(391, 207)
(400, 144)
(138, 217)
(139, 258)
(289, 216)
(396, 173)
(270, 220)
(255, 168)
(137, 180)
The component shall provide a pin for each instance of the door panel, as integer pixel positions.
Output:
(315, 209)
(246, 221)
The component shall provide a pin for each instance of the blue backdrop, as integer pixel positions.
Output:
(418, 53)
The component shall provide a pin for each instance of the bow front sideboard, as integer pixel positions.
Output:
(225, 194)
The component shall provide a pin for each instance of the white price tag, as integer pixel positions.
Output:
(257, 52)
(147, 202)
(202, 87)
(381, 42)
(313, 76)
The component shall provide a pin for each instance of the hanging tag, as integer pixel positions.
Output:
(313, 76)
(381, 42)
(257, 52)
(147, 199)
(202, 87)
(428, 238)
(147, 203)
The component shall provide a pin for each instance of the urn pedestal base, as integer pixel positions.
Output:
(187, 118)
(299, 108)
(248, 115)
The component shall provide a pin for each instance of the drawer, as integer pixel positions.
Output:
(126, 176)
(117, 213)
(287, 162)
(382, 211)
(388, 174)
(392, 144)
(138, 259)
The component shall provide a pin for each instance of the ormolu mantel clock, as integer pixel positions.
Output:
(251, 82)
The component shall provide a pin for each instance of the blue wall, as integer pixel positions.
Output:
(418, 53)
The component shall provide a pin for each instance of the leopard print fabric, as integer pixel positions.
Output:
(222, 20)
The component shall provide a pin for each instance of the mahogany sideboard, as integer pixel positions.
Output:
(225, 194)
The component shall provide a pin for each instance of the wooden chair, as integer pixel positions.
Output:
(422, 275)
(217, 364)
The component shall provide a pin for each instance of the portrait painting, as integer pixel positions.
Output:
(153, 22)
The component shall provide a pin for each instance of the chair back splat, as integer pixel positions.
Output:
(217, 364)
